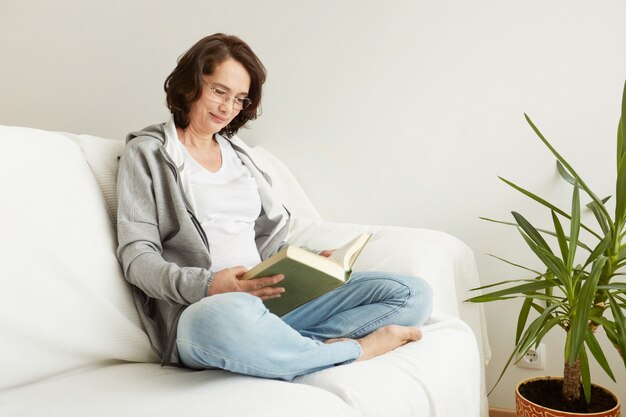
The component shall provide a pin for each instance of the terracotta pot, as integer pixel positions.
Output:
(526, 408)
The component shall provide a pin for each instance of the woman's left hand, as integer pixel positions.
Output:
(327, 252)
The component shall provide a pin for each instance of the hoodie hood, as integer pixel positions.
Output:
(155, 131)
(166, 134)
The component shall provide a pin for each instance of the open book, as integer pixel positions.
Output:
(307, 275)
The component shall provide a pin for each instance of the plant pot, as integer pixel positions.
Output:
(527, 408)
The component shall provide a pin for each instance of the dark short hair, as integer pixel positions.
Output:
(184, 85)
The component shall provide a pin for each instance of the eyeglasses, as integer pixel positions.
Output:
(218, 95)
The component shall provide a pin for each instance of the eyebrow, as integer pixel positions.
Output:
(228, 89)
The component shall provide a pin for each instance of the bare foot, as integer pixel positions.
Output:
(383, 340)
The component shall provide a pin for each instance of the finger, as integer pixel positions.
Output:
(251, 286)
(268, 292)
(238, 270)
(258, 283)
(270, 297)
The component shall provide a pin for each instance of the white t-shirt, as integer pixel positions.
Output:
(227, 205)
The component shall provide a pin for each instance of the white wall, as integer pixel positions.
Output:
(401, 114)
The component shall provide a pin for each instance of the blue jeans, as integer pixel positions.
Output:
(235, 331)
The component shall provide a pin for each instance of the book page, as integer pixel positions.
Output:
(301, 256)
(347, 254)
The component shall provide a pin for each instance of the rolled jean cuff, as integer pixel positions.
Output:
(349, 348)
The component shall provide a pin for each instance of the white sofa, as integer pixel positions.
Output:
(72, 344)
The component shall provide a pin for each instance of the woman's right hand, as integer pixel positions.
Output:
(228, 280)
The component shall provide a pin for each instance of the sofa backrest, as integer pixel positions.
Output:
(63, 300)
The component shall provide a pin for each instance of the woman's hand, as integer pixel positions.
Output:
(326, 253)
(228, 280)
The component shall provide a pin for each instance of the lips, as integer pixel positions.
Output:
(218, 119)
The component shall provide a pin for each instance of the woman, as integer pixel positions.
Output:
(195, 212)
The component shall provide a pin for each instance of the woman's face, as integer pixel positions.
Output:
(209, 114)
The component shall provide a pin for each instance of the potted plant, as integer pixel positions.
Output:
(580, 282)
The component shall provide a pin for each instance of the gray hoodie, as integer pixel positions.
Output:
(163, 250)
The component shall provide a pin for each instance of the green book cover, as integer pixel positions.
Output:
(302, 284)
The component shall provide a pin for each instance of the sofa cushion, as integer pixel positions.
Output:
(102, 156)
(61, 283)
(286, 185)
(148, 390)
(417, 379)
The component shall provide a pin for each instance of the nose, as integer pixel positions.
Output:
(227, 106)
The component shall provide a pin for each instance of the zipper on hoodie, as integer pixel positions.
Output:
(169, 349)
(194, 219)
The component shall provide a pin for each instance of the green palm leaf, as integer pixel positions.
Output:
(621, 128)
(529, 337)
(522, 318)
(598, 354)
(544, 231)
(583, 185)
(574, 227)
(620, 286)
(597, 212)
(514, 264)
(603, 245)
(518, 290)
(531, 231)
(548, 325)
(565, 175)
(599, 215)
(582, 310)
(620, 325)
(620, 193)
(552, 262)
(508, 281)
(560, 235)
(547, 204)
(585, 373)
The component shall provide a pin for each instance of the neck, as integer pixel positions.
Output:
(191, 137)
